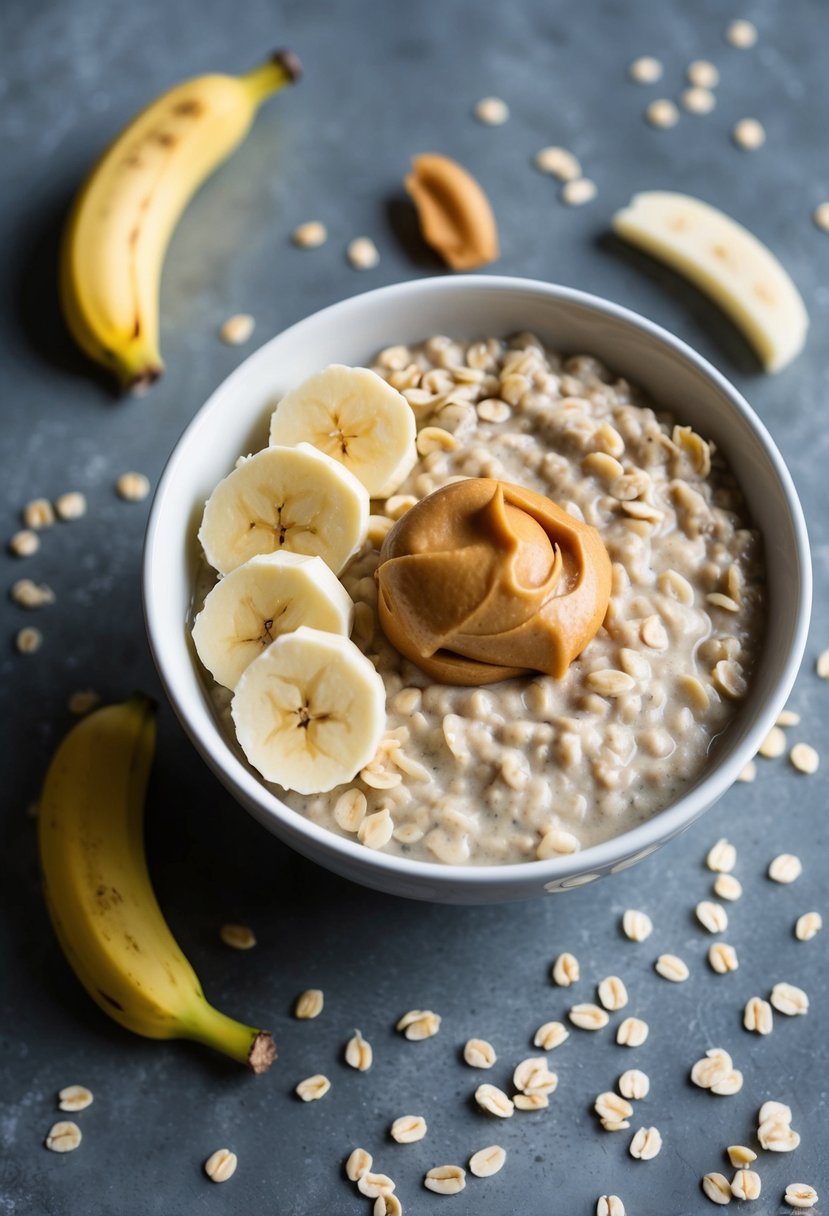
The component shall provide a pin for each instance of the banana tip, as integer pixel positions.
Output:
(262, 1053)
(142, 381)
(290, 62)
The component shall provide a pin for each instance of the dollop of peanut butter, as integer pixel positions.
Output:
(483, 580)
(455, 215)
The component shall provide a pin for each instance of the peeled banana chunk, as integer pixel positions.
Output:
(285, 499)
(726, 261)
(310, 711)
(355, 417)
(269, 595)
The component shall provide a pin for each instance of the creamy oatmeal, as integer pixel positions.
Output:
(533, 766)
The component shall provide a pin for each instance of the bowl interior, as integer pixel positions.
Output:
(234, 421)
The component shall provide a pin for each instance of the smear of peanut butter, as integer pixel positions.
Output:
(483, 580)
(455, 216)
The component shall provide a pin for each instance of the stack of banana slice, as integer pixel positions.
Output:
(309, 708)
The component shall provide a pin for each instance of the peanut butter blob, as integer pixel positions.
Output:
(483, 580)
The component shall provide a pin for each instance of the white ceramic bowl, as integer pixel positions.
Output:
(234, 421)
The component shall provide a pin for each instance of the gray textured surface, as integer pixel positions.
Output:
(386, 80)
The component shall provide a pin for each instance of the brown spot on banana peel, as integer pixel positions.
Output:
(455, 215)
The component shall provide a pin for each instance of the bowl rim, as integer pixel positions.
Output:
(617, 850)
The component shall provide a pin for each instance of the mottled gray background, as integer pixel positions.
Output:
(386, 80)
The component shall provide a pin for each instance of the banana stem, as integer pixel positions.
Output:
(281, 69)
(249, 1046)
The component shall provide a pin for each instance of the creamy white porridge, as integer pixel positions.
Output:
(533, 766)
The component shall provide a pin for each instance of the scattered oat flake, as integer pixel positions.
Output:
(133, 487)
(487, 1161)
(387, 1205)
(408, 1128)
(804, 758)
(717, 1188)
(632, 1032)
(558, 162)
(645, 70)
(445, 1179)
(29, 595)
(789, 999)
(773, 745)
(28, 640)
(785, 868)
(38, 514)
(807, 925)
(698, 100)
(309, 1003)
(722, 958)
(74, 1098)
(566, 970)
(419, 1024)
(550, 1035)
(634, 1084)
(788, 717)
(373, 1185)
(672, 968)
(714, 1067)
(820, 215)
(240, 937)
(362, 253)
(746, 1184)
(776, 1136)
(732, 1084)
(739, 1155)
(238, 329)
(636, 926)
(358, 1163)
(711, 916)
(611, 1108)
(24, 543)
(359, 1053)
(221, 1165)
(313, 1088)
(478, 1053)
(800, 1195)
(748, 134)
(530, 1101)
(741, 33)
(491, 111)
(310, 235)
(494, 1101)
(722, 857)
(757, 1016)
(71, 505)
(609, 1205)
(748, 772)
(588, 1017)
(577, 192)
(82, 701)
(726, 886)
(532, 1076)
(662, 113)
(612, 993)
(703, 74)
(646, 1144)
(63, 1137)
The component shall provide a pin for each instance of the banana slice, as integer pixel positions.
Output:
(725, 260)
(257, 602)
(357, 418)
(285, 498)
(310, 711)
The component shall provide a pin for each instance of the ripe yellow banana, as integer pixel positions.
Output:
(99, 895)
(117, 232)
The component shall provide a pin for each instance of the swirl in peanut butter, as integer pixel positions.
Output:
(484, 580)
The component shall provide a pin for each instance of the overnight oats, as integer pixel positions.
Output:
(482, 603)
